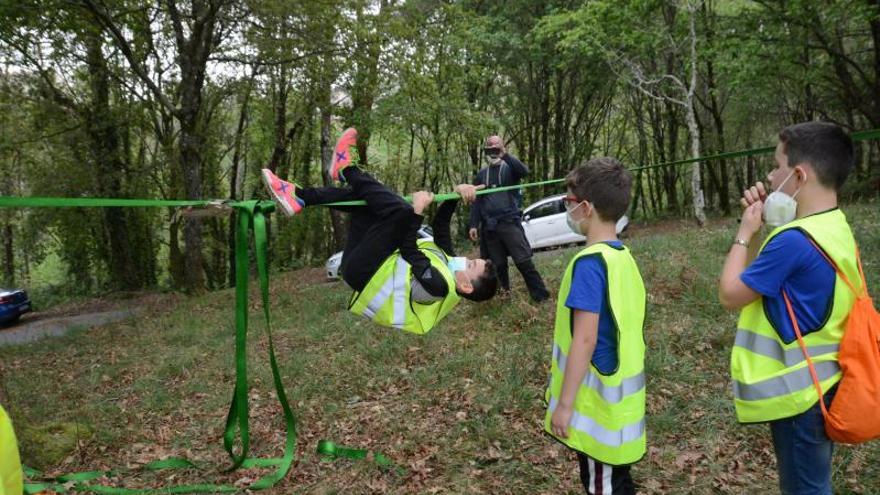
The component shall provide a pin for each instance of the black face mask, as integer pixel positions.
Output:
(492, 152)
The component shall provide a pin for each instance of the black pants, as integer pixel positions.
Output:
(374, 231)
(599, 478)
(509, 239)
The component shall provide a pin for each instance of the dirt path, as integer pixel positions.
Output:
(30, 330)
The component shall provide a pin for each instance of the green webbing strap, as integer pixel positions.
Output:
(251, 218)
(330, 451)
(32, 202)
(856, 136)
(446, 196)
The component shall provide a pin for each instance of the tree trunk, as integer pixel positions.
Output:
(236, 179)
(110, 166)
(366, 77)
(691, 117)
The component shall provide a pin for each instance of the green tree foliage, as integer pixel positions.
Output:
(189, 99)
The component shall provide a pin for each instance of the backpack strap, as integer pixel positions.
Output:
(837, 269)
(800, 338)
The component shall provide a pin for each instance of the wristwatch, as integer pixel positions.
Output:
(741, 242)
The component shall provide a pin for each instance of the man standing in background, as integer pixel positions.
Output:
(496, 217)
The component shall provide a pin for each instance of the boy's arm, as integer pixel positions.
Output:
(732, 292)
(428, 277)
(583, 342)
(440, 226)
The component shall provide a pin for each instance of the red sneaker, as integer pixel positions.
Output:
(342, 153)
(284, 193)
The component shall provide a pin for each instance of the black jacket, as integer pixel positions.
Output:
(489, 209)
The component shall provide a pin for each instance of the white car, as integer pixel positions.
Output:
(545, 225)
(333, 262)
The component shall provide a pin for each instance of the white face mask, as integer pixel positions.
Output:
(574, 225)
(780, 208)
(457, 264)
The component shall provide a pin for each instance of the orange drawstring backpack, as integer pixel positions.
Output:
(852, 417)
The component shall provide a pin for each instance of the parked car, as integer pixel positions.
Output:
(333, 262)
(13, 304)
(545, 225)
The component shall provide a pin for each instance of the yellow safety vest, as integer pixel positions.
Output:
(386, 298)
(771, 379)
(608, 423)
(10, 465)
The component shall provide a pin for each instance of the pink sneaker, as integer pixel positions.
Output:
(284, 193)
(342, 153)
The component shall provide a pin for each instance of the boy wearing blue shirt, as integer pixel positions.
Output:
(596, 395)
(771, 378)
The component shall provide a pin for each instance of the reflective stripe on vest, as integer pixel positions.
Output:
(790, 382)
(613, 394)
(608, 418)
(772, 348)
(771, 379)
(609, 438)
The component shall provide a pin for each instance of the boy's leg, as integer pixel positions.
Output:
(381, 239)
(381, 201)
(803, 452)
(604, 479)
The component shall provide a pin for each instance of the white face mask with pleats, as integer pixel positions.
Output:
(574, 225)
(780, 208)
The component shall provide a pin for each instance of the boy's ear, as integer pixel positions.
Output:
(463, 283)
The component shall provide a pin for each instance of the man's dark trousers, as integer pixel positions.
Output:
(509, 239)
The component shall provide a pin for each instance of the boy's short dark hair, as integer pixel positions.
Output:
(605, 183)
(485, 287)
(826, 147)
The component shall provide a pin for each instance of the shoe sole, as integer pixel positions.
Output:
(267, 179)
(336, 173)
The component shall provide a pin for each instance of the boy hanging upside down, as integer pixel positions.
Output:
(399, 281)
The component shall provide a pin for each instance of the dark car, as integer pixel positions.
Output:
(13, 304)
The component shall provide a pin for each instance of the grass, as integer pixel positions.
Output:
(460, 408)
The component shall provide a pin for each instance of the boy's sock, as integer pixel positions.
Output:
(284, 193)
(342, 155)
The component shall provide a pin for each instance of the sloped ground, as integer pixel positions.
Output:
(460, 409)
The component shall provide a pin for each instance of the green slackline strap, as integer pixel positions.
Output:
(446, 196)
(251, 219)
(36, 202)
(330, 451)
(856, 136)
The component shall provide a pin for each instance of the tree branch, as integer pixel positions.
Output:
(103, 18)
